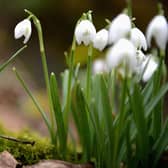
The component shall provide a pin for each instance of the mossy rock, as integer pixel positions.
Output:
(27, 153)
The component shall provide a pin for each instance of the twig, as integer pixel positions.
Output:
(17, 140)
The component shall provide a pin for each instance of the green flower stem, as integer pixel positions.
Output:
(39, 108)
(68, 100)
(129, 7)
(113, 82)
(120, 120)
(12, 58)
(45, 67)
(88, 77)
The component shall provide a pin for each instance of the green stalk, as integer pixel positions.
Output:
(12, 58)
(129, 7)
(119, 123)
(45, 67)
(113, 78)
(68, 100)
(39, 108)
(88, 77)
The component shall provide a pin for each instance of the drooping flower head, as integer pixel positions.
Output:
(158, 29)
(150, 66)
(119, 28)
(138, 39)
(101, 39)
(99, 66)
(23, 28)
(85, 32)
(122, 52)
(140, 58)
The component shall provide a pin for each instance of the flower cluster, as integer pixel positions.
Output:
(126, 44)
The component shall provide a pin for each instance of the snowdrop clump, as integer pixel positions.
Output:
(125, 44)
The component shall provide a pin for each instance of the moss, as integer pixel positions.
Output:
(27, 153)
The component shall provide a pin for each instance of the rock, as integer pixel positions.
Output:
(7, 160)
(58, 164)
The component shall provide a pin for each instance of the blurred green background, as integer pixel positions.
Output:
(58, 18)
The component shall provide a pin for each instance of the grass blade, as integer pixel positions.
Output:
(58, 114)
(12, 58)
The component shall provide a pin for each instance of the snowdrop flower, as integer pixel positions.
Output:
(99, 66)
(23, 28)
(119, 28)
(122, 51)
(158, 29)
(85, 32)
(151, 65)
(140, 58)
(101, 39)
(138, 39)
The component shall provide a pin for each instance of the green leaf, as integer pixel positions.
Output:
(11, 59)
(161, 143)
(37, 105)
(141, 124)
(81, 113)
(154, 101)
(58, 114)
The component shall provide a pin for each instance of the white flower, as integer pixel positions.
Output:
(158, 29)
(150, 66)
(23, 28)
(138, 39)
(85, 32)
(101, 39)
(119, 28)
(99, 66)
(122, 52)
(140, 58)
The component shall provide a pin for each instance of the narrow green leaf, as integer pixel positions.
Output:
(82, 114)
(12, 58)
(141, 124)
(160, 144)
(154, 101)
(58, 114)
(37, 105)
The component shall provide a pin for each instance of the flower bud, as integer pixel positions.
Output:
(101, 39)
(85, 32)
(23, 28)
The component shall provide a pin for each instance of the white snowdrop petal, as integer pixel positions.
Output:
(99, 66)
(140, 58)
(119, 28)
(158, 29)
(23, 28)
(151, 66)
(138, 39)
(85, 32)
(121, 51)
(101, 39)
